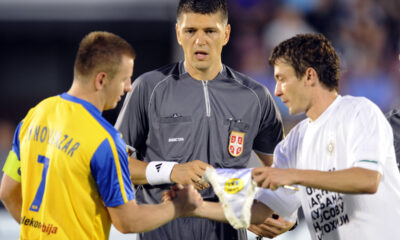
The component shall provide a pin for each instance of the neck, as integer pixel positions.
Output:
(203, 75)
(320, 102)
(87, 93)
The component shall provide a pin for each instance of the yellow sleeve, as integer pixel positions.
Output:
(12, 167)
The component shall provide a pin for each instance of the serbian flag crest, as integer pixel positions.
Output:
(235, 189)
(235, 146)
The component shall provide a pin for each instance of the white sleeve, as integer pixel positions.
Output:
(282, 201)
(370, 138)
(285, 153)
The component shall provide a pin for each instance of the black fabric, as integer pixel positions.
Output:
(394, 119)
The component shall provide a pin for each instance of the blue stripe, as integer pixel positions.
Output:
(119, 142)
(104, 172)
(15, 144)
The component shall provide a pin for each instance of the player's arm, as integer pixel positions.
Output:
(137, 170)
(11, 196)
(132, 218)
(10, 189)
(355, 180)
(266, 160)
(162, 172)
(275, 225)
(214, 211)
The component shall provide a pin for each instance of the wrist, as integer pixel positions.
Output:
(159, 172)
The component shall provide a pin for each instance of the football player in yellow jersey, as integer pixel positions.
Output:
(67, 175)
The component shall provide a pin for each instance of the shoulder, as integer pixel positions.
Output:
(46, 104)
(154, 77)
(257, 89)
(244, 80)
(360, 111)
(351, 107)
(297, 131)
(357, 103)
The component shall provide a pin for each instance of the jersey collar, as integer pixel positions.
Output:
(325, 115)
(182, 71)
(87, 105)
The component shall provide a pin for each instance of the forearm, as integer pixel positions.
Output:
(11, 196)
(137, 169)
(266, 160)
(14, 207)
(353, 180)
(214, 211)
(259, 212)
(142, 218)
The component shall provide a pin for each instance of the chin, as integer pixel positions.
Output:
(201, 66)
(110, 107)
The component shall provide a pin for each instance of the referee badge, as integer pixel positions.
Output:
(236, 140)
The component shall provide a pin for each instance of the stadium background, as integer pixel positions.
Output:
(39, 39)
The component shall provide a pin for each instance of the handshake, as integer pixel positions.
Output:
(186, 199)
(236, 189)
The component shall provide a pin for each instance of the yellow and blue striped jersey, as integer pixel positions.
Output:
(74, 164)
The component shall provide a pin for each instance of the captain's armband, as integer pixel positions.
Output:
(12, 167)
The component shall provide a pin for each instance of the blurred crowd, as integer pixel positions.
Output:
(364, 32)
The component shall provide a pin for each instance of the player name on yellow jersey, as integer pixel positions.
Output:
(52, 137)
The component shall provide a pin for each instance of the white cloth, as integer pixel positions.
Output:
(235, 190)
(351, 132)
(283, 201)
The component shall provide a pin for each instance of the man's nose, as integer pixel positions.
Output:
(200, 38)
(128, 86)
(278, 90)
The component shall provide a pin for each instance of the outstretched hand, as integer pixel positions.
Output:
(273, 178)
(185, 198)
(190, 173)
(272, 227)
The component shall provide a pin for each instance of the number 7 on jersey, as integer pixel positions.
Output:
(35, 206)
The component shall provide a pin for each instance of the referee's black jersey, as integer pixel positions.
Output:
(394, 119)
(169, 116)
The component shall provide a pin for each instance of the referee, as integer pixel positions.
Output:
(195, 113)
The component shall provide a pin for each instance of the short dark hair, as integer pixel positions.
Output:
(310, 50)
(101, 51)
(203, 7)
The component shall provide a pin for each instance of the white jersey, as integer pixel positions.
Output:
(352, 132)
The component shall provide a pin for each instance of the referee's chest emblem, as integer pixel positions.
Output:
(236, 140)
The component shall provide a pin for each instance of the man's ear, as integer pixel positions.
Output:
(178, 36)
(100, 80)
(227, 34)
(311, 76)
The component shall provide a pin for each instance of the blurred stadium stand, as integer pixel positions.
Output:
(39, 39)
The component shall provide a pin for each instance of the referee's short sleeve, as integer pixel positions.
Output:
(132, 120)
(270, 131)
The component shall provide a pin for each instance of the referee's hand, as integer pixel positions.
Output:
(190, 173)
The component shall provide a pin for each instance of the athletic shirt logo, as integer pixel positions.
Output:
(234, 185)
(330, 148)
(236, 140)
